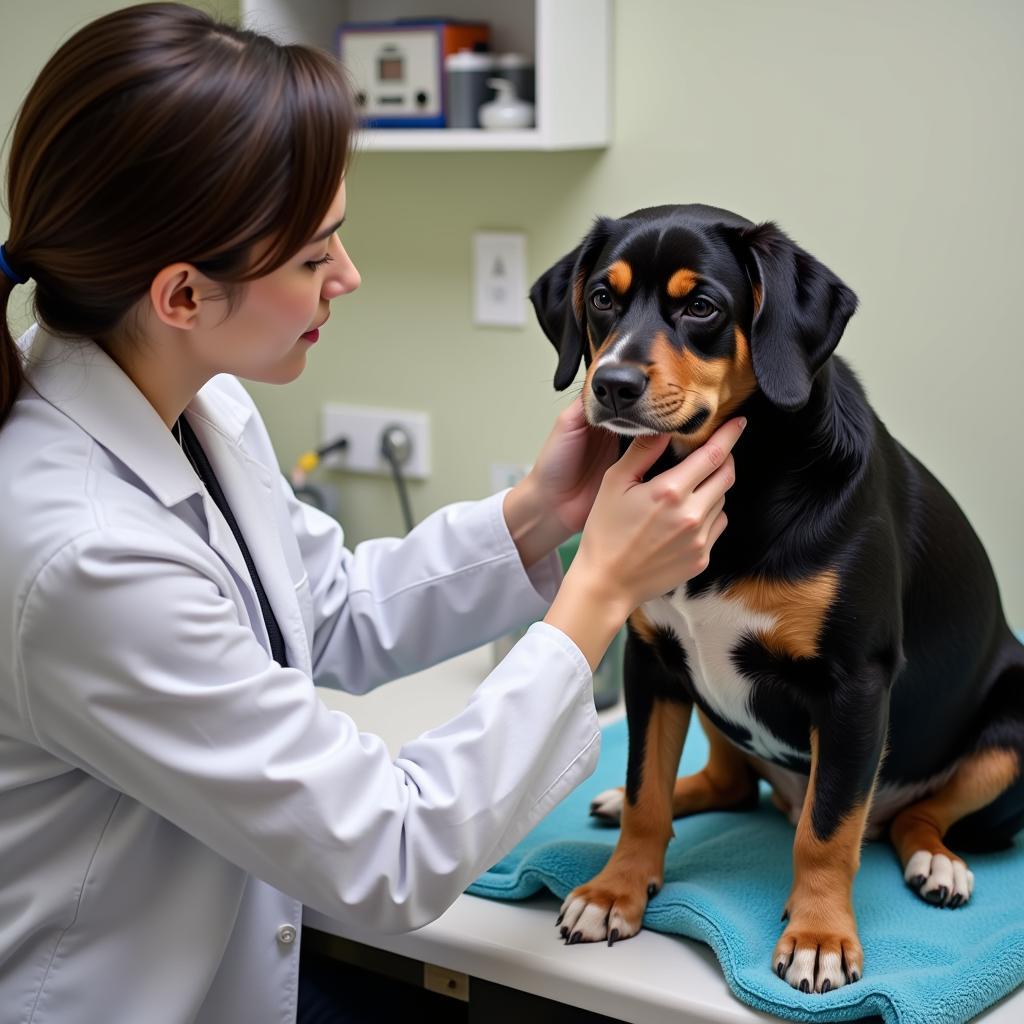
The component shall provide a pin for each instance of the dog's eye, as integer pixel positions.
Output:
(700, 308)
(601, 300)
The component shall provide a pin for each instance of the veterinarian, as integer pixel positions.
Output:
(172, 790)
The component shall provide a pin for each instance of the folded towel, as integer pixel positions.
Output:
(727, 876)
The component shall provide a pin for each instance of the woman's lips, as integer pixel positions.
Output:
(313, 335)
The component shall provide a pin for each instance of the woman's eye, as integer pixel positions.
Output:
(316, 264)
(601, 300)
(700, 308)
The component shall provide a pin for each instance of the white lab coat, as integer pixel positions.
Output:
(169, 795)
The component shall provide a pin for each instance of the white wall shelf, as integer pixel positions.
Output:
(570, 41)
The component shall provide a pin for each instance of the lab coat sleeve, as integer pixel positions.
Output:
(395, 606)
(134, 667)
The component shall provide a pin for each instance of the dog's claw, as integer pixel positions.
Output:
(826, 986)
(613, 938)
(937, 896)
(805, 986)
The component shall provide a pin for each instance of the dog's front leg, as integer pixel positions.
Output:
(611, 905)
(820, 949)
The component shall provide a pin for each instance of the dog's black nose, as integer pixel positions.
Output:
(618, 388)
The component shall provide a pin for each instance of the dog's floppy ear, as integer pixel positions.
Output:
(557, 297)
(801, 311)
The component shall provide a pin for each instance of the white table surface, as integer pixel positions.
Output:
(649, 979)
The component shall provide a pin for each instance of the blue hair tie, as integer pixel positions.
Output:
(8, 269)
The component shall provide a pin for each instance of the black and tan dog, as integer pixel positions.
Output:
(846, 643)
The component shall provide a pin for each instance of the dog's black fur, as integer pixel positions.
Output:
(915, 666)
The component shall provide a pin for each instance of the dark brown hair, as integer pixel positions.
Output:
(157, 134)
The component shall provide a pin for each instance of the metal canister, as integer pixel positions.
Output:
(466, 74)
(517, 69)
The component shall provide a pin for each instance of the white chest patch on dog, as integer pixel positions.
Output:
(710, 627)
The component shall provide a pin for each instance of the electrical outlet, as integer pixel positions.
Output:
(363, 426)
(499, 279)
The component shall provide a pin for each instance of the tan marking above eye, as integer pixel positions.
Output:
(798, 607)
(681, 283)
(620, 276)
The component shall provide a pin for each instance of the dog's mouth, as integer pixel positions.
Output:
(639, 425)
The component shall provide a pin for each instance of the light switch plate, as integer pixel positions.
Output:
(499, 279)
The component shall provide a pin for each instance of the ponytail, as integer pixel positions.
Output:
(11, 372)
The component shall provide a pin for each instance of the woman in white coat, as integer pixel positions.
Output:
(172, 791)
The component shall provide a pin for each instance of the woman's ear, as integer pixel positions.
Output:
(801, 311)
(557, 297)
(175, 295)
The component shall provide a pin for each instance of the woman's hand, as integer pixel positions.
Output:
(553, 500)
(571, 465)
(643, 539)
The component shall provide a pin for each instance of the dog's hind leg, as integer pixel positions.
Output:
(726, 783)
(930, 868)
(981, 806)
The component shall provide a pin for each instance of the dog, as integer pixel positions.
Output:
(846, 642)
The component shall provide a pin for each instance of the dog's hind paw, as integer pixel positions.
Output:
(938, 879)
(607, 806)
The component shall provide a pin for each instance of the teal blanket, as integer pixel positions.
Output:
(727, 876)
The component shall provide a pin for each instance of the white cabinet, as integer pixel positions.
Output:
(570, 41)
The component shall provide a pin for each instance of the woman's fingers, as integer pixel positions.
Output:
(642, 453)
(720, 523)
(714, 487)
(702, 462)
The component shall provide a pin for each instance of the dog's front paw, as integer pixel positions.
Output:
(814, 958)
(936, 878)
(607, 806)
(610, 906)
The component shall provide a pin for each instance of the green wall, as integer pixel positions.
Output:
(884, 137)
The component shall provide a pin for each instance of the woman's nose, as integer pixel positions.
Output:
(344, 277)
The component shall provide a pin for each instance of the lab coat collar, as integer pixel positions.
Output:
(80, 379)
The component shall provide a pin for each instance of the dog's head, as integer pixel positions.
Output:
(681, 313)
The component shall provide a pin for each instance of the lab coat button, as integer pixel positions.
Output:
(286, 934)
